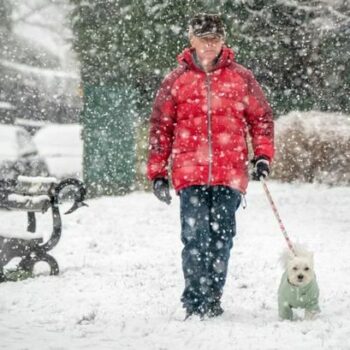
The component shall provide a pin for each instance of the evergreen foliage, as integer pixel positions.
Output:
(298, 50)
(5, 15)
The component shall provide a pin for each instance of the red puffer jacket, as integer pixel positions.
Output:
(201, 120)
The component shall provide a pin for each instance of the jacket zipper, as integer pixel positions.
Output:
(209, 128)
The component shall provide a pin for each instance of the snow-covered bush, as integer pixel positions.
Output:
(313, 147)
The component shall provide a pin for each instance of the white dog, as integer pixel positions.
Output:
(298, 287)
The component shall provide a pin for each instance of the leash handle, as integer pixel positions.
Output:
(275, 211)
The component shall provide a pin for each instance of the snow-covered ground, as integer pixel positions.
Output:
(121, 278)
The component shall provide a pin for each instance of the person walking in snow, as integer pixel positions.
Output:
(200, 119)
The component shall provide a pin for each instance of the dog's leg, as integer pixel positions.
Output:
(285, 312)
(310, 314)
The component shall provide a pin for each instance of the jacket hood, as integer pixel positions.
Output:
(226, 57)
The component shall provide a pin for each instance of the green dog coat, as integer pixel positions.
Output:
(290, 296)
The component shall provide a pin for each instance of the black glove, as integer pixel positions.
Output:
(161, 190)
(261, 168)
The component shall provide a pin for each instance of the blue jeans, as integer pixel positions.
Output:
(208, 226)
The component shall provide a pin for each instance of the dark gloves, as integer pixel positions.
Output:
(161, 190)
(261, 168)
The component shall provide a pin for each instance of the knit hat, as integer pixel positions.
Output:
(204, 24)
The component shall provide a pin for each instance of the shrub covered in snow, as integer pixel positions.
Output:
(313, 147)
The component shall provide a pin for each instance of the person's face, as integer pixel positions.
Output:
(207, 47)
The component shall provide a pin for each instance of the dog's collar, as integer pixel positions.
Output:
(289, 282)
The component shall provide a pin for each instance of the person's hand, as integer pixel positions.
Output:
(261, 168)
(161, 190)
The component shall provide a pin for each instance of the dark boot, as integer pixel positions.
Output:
(199, 311)
(214, 310)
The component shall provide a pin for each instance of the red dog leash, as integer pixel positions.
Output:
(274, 209)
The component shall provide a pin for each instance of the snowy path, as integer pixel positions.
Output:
(121, 278)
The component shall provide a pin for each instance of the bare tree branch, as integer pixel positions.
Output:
(39, 8)
(49, 27)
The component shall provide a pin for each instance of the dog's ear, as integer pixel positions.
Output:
(285, 258)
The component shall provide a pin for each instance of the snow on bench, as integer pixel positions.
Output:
(23, 235)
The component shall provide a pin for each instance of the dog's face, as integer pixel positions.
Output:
(300, 270)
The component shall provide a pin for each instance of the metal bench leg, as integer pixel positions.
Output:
(31, 222)
(28, 262)
(2, 276)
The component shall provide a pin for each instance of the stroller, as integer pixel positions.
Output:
(34, 195)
